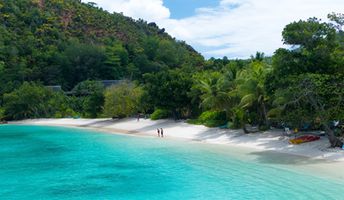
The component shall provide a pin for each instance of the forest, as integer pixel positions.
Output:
(77, 45)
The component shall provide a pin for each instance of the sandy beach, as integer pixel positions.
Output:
(272, 140)
(314, 155)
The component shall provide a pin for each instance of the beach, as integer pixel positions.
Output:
(58, 162)
(270, 146)
(272, 140)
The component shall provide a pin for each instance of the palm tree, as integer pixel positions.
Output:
(251, 89)
(214, 94)
(258, 57)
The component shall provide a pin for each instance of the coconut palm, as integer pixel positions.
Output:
(250, 87)
(214, 93)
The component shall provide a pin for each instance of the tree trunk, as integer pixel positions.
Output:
(245, 129)
(175, 114)
(264, 114)
(335, 142)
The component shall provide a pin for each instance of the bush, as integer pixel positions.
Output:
(297, 117)
(66, 113)
(194, 121)
(32, 100)
(237, 119)
(122, 100)
(213, 118)
(93, 98)
(160, 114)
(264, 128)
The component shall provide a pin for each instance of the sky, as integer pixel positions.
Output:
(232, 28)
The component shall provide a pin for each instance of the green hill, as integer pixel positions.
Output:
(64, 42)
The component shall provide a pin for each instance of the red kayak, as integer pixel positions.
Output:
(304, 139)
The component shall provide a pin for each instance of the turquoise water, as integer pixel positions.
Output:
(63, 163)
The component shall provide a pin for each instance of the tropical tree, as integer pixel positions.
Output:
(169, 90)
(32, 100)
(258, 57)
(122, 100)
(317, 97)
(251, 89)
(213, 91)
(337, 21)
(317, 49)
(85, 62)
(91, 97)
(313, 42)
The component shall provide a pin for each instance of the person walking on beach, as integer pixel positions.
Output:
(158, 130)
(162, 132)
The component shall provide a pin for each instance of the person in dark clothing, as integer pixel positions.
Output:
(158, 130)
(162, 132)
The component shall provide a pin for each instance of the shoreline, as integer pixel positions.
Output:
(269, 147)
(272, 140)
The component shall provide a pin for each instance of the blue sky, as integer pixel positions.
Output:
(186, 8)
(232, 28)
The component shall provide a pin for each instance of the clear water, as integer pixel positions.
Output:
(63, 163)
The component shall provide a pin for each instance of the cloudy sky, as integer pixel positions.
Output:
(232, 28)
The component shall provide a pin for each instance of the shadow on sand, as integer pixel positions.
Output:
(272, 157)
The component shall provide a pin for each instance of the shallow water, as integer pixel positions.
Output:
(62, 163)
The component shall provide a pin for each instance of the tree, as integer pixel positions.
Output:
(258, 57)
(167, 52)
(309, 34)
(251, 89)
(151, 45)
(84, 62)
(316, 48)
(92, 95)
(116, 62)
(320, 96)
(337, 20)
(313, 43)
(213, 88)
(338, 54)
(32, 101)
(122, 100)
(169, 90)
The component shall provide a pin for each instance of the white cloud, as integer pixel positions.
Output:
(235, 28)
(231, 2)
(151, 10)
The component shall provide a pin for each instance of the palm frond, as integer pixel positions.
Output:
(247, 100)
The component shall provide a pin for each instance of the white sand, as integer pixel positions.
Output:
(268, 141)
(316, 156)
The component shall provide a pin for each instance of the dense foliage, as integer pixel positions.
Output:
(160, 114)
(168, 90)
(211, 119)
(31, 100)
(89, 98)
(67, 42)
(76, 45)
(122, 100)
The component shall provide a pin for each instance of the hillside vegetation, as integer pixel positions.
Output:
(64, 42)
(73, 44)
